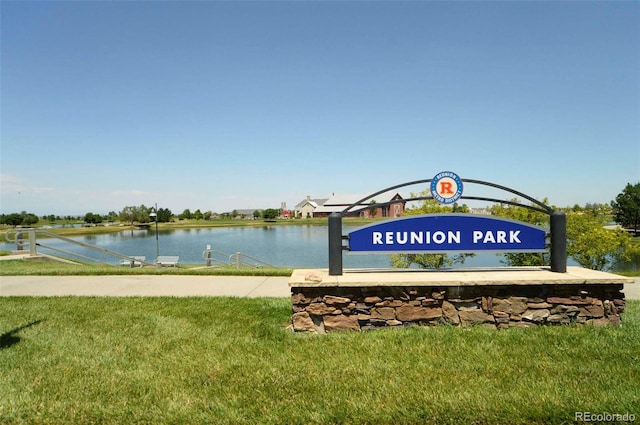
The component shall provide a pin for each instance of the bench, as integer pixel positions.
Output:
(167, 260)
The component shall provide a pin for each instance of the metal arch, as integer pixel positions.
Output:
(473, 198)
(543, 208)
(359, 202)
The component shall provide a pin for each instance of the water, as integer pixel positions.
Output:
(632, 265)
(304, 246)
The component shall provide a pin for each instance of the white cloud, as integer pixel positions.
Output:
(11, 184)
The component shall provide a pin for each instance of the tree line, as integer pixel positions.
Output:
(131, 214)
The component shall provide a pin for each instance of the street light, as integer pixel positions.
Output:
(154, 214)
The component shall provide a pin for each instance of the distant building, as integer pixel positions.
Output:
(245, 214)
(284, 212)
(392, 206)
(480, 211)
(307, 207)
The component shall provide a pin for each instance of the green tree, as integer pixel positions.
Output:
(164, 215)
(144, 214)
(133, 214)
(92, 218)
(256, 214)
(426, 206)
(626, 207)
(29, 219)
(526, 215)
(588, 242)
(270, 214)
(593, 246)
(128, 214)
(197, 214)
(596, 209)
(373, 209)
(427, 261)
(464, 208)
(14, 219)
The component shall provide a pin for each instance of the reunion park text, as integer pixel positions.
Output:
(448, 232)
(439, 237)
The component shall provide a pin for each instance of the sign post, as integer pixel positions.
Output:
(335, 244)
(558, 222)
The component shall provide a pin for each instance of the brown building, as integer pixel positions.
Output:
(390, 205)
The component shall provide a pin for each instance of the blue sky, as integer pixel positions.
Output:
(230, 105)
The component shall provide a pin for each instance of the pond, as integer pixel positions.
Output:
(299, 246)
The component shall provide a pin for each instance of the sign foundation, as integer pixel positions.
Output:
(328, 300)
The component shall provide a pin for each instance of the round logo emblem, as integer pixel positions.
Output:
(446, 187)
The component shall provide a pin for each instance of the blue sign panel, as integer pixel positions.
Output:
(438, 233)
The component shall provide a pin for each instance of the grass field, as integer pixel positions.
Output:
(53, 268)
(231, 361)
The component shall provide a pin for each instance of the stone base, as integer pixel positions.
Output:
(319, 306)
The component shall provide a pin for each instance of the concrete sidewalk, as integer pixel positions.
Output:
(165, 286)
(632, 292)
(145, 286)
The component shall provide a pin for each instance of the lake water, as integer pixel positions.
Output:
(304, 246)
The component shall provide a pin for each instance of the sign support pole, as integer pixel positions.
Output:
(335, 244)
(558, 223)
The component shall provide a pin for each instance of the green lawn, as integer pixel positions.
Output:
(231, 361)
(54, 268)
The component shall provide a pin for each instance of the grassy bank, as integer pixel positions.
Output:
(231, 361)
(50, 268)
(53, 268)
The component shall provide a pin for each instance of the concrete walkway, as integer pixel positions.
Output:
(165, 286)
(145, 286)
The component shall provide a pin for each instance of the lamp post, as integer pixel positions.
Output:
(154, 214)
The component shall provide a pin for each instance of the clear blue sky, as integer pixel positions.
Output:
(231, 105)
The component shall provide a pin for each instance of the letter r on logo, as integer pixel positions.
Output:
(445, 188)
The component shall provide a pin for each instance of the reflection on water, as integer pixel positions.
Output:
(304, 246)
(632, 265)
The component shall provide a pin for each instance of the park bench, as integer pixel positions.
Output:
(167, 260)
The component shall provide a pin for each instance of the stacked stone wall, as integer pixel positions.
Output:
(327, 309)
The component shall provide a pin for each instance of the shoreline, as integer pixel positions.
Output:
(183, 224)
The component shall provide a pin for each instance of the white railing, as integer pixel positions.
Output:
(36, 237)
(238, 260)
